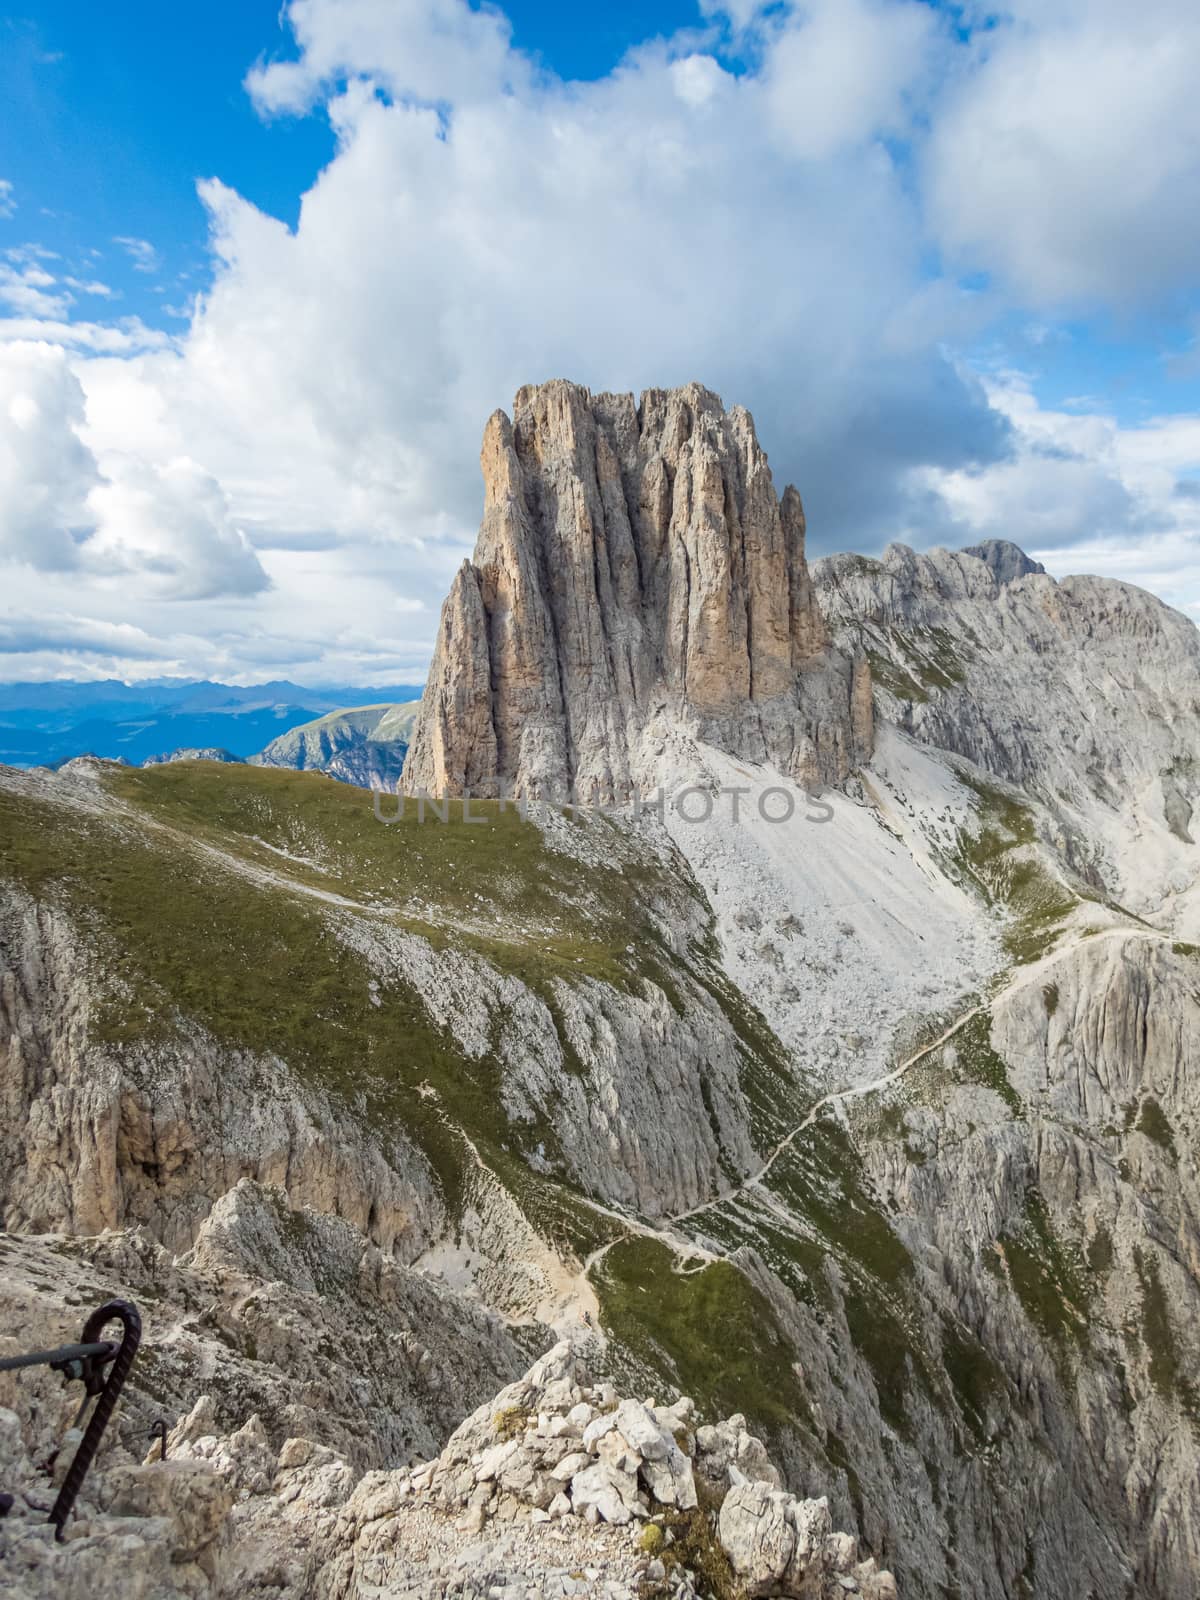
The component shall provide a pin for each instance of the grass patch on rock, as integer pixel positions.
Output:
(486, 876)
(976, 1379)
(914, 664)
(821, 1178)
(711, 1332)
(821, 1181)
(1099, 1251)
(1152, 1121)
(1047, 1276)
(1000, 859)
(696, 1549)
(185, 938)
(1165, 1359)
(978, 1062)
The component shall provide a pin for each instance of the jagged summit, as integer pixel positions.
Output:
(1006, 560)
(1081, 686)
(635, 568)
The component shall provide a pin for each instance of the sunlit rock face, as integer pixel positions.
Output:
(635, 570)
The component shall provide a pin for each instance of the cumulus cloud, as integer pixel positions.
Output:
(306, 445)
(669, 222)
(171, 525)
(1067, 159)
(46, 471)
(841, 71)
(433, 51)
(8, 204)
(1085, 494)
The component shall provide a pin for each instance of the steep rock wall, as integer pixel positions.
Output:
(634, 566)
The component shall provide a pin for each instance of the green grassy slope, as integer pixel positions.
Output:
(212, 895)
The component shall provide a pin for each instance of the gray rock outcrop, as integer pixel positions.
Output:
(188, 753)
(562, 1469)
(1082, 693)
(1006, 561)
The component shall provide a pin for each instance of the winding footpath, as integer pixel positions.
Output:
(687, 1251)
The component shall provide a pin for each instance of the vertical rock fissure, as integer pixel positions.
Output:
(557, 663)
(741, 564)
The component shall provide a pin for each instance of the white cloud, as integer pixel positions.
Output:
(90, 286)
(141, 252)
(46, 471)
(328, 618)
(306, 446)
(7, 203)
(170, 525)
(435, 51)
(1086, 494)
(1067, 159)
(30, 253)
(841, 71)
(125, 337)
(166, 526)
(63, 634)
(24, 290)
(665, 223)
(698, 80)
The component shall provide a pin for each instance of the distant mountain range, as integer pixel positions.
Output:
(44, 724)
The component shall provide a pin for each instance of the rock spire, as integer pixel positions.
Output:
(634, 569)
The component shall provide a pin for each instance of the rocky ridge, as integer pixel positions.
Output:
(553, 1487)
(204, 753)
(1081, 693)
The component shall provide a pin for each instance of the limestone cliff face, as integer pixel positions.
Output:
(634, 564)
(94, 1138)
(1082, 692)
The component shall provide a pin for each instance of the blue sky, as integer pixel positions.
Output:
(114, 113)
(264, 274)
